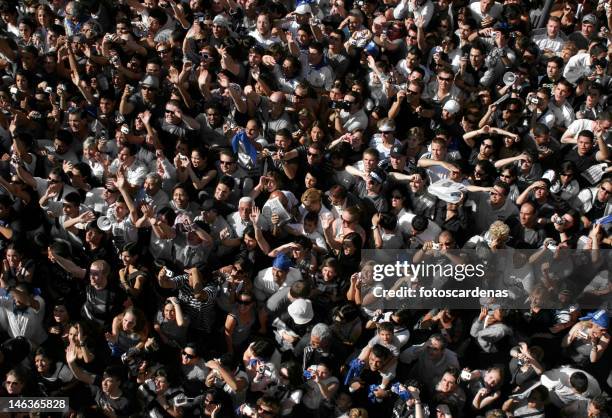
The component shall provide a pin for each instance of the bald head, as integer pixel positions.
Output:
(281, 197)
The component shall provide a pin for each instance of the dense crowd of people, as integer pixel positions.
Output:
(188, 189)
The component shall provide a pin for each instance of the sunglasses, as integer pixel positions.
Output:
(244, 302)
(189, 356)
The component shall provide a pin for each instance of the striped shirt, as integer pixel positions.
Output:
(201, 312)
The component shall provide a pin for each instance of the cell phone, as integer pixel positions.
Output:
(125, 129)
(583, 334)
(247, 410)
(466, 376)
(169, 273)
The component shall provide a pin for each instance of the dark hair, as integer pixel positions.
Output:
(502, 185)
(420, 223)
(381, 351)
(579, 382)
(73, 198)
(294, 373)
(159, 15)
(263, 348)
(385, 326)
(388, 221)
(587, 134)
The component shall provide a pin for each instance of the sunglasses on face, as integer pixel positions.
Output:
(244, 302)
(188, 356)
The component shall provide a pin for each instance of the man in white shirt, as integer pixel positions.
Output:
(550, 41)
(23, 315)
(567, 384)
(485, 10)
(135, 172)
(599, 127)
(580, 65)
(564, 114)
(271, 280)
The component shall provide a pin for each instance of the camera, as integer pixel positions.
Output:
(48, 90)
(130, 88)
(534, 100)
(435, 246)
(558, 220)
(205, 56)
(169, 273)
(552, 245)
(265, 371)
(340, 104)
(119, 119)
(466, 376)
(125, 129)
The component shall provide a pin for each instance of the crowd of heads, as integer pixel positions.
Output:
(189, 191)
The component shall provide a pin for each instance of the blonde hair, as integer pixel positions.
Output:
(311, 195)
(358, 413)
(499, 230)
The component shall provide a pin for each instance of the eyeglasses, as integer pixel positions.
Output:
(312, 154)
(147, 88)
(445, 78)
(226, 162)
(396, 197)
(386, 132)
(169, 111)
(244, 302)
(163, 51)
(567, 174)
(189, 356)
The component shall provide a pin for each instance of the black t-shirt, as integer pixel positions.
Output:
(582, 162)
(122, 405)
(407, 118)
